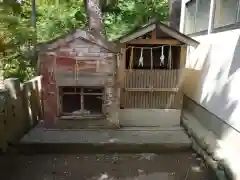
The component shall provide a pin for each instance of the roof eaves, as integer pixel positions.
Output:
(101, 41)
(52, 44)
(136, 29)
(76, 34)
(137, 33)
(177, 35)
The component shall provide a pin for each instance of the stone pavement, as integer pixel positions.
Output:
(125, 139)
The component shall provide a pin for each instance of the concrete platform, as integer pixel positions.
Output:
(122, 140)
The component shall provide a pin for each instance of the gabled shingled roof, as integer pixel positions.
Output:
(90, 36)
(154, 24)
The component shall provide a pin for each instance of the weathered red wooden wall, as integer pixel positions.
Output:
(93, 60)
(49, 89)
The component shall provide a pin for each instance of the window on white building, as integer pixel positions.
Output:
(190, 17)
(202, 15)
(226, 12)
(197, 16)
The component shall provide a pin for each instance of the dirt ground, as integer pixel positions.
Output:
(178, 166)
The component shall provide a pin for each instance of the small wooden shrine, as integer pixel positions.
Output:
(151, 63)
(78, 72)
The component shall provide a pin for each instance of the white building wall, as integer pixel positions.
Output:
(215, 64)
(212, 79)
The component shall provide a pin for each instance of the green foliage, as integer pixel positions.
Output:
(126, 15)
(15, 39)
(56, 17)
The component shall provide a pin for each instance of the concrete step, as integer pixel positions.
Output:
(82, 124)
(102, 141)
(62, 148)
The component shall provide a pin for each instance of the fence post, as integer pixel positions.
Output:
(33, 100)
(15, 116)
(39, 99)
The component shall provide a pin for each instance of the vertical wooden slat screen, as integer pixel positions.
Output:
(153, 89)
(143, 78)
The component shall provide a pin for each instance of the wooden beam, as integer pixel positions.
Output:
(151, 89)
(79, 93)
(121, 68)
(155, 41)
(181, 75)
(182, 63)
(183, 56)
(84, 58)
(154, 34)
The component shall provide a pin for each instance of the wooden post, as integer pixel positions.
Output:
(182, 63)
(40, 96)
(151, 59)
(122, 72)
(15, 121)
(154, 34)
(123, 64)
(31, 104)
(38, 99)
(57, 88)
(34, 101)
(152, 72)
(183, 56)
(181, 75)
(27, 105)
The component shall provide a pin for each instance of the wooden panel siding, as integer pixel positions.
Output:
(91, 66)
(151, 100)
(64, 78)
(146, 78)
(151, 89)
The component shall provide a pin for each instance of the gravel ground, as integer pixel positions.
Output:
(178, 166)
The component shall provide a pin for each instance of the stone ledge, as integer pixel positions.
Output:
(106, 140)
(89, 148)
(205, 143)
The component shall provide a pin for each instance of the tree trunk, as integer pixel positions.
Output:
(174, 13)
(95, 25)
(94, 13)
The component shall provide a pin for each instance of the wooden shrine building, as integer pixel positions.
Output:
(134, 83)
(150, 71)
(78, 76)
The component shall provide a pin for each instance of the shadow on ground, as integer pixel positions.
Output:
(175, 166)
